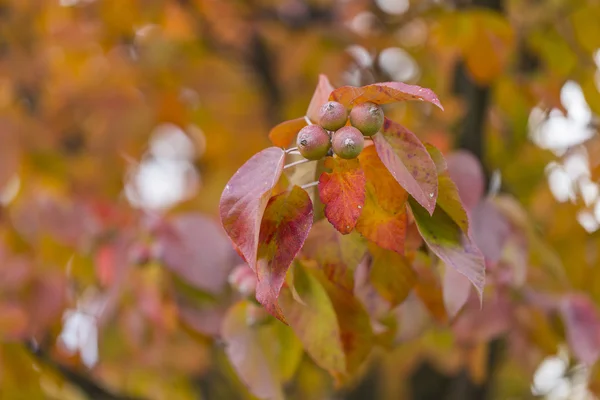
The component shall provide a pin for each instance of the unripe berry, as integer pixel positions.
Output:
(348, 142)
(367, 118)
(333, 115)
(313, 142)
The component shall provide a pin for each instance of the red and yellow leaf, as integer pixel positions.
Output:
(337, 254)
(391, 275)
(245, 198)
(343, 193)
(384, 218)
(283, 135)
(408, 161)
(285, 226)
(383, 93)
(320, 97)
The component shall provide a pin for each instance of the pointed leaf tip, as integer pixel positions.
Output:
(245, 198)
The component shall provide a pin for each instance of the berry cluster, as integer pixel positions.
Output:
(315, 141)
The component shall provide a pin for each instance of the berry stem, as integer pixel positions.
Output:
(288, 151)
(308, 121)
(309, 185)
(295, 153)
(290, 165)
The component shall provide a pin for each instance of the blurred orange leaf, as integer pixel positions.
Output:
(284, 134)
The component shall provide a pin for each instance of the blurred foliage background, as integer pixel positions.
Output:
(121, 122)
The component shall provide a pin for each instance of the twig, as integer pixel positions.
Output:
(290, 165)
(85, 383)
(309, 185)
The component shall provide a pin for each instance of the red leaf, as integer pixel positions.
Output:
(196, 248)
(384, 218)
(284, 134)
(409, 162)
(245, 197)
(320, 97)
(285, 226)
(582, 323)
(383, 93)
(343, 193)
(446, 239)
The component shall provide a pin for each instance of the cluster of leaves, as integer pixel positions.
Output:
(396, 187)
(86, 85)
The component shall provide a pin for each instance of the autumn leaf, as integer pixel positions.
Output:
(285, 226)
(408, 161)
(262, 366)
(448, 197)
(391, 275)
(582, 323)
(195, 248)
(331, 323)
(484, 38)
(383, 93)
(356, 333)
(467, 174)
(337, 254)
(343, 193)
(314, 321)
(456, 289)
(428, 288)
(446, 239)
(245, 198)
(320, 97)
(283, 135)
(383, 219)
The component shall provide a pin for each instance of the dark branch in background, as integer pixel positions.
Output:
(87, 385)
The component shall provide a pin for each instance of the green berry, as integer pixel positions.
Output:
(333, 116)
(367, 118)
(348, 142)
(313, 142)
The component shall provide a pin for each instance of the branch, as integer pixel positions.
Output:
(83, 382)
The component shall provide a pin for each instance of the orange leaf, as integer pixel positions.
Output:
(337, 254)
(285, 226)
(320, 97)
(383, 93)
(428, 288)
(343, 193)
(284, 134)
(383, 220)
(391, 275)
